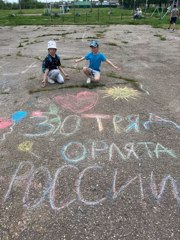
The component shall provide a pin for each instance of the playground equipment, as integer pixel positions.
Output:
(170, 7)
(62, 10)
(159, 10)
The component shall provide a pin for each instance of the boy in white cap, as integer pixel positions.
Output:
(95, 58)
(51, 66)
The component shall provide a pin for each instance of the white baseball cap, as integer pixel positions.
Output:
(52, 44)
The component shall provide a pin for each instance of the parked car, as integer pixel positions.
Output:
(105, 3)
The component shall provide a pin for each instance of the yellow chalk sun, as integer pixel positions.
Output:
(121, 93)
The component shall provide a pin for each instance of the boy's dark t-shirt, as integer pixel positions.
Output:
(51, 62)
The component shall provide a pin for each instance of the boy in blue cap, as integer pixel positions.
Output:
(95, 58)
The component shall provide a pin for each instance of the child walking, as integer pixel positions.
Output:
(95, 59)
(51, 67)
(173, 17)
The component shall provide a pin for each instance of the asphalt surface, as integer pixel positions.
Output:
(100, 162)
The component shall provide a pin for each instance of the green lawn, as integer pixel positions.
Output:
(80, 16)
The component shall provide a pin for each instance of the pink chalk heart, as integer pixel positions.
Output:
(4, 123)
(78, 103)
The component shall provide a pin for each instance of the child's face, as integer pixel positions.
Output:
(52, 51)
(94, 49)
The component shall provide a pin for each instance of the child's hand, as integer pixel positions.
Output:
(67, 77)
(43, 83)
(117, 68)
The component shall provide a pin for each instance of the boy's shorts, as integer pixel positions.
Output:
(173, 20)
(93, 72)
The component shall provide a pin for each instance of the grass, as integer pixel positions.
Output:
(101, 16)
(83, 85)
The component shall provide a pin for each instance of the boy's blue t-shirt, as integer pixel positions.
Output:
(95, 60)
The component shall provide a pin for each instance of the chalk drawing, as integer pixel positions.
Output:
(113, 147)
(49, 125)
(45, 189)
(156, 119)
(4, 64)
(40, 186)
(121, 93)
(129, 147)
(36, 113)
(117, 120)
(15, 118)
(122, 188)
(81, 102)
(75, 152)
(27, 147)
(33, 65)
(6, 133)
(74, 122)
(98, 147)
(51, 122)
(10, 74)
(79, 193)
(53, 188)
(18, 116)
(83, 36)
(163, 183)
(4, 123)
(15, 178)
(70, 150)
(48, 128)
(142, 88)
(98, 118)
(146, 144)
(134, 123)
(161, 149)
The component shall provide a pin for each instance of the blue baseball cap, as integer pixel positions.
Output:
(94, 44)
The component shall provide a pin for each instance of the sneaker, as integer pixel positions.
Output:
(51, 80)
(88, 80)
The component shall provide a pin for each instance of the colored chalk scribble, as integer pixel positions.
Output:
(26, 146)
(4, 123)
(18, 116)
(121, 93)
(81, 102)
(36, 113)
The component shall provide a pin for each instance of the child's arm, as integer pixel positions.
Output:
(43, 83)
(79, 60)
(110, 63)
(63, 72)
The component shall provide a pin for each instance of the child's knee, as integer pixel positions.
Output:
(85, 69)
(97, 78)
(60, 79)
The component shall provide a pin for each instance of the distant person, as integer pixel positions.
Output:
(51, 67)
(174, 14)
(138, 13)
(95, 59)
